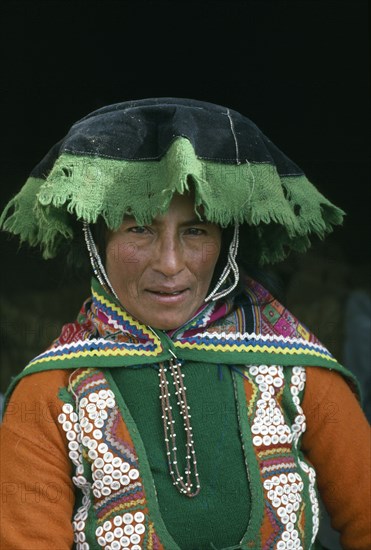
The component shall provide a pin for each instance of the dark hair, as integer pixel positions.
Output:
(75, 253)
(267, 277)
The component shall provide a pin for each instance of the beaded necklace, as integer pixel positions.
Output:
(184, 487)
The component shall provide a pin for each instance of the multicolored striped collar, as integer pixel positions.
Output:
(253, 328)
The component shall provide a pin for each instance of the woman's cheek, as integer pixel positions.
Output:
(123, 252)
(210, 252)
(204, 256)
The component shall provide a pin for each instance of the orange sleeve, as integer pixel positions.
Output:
(338, 444)
(37, 490)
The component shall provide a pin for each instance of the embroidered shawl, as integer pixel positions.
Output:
(105, 335)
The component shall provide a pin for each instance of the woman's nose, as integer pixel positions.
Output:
(169, 256)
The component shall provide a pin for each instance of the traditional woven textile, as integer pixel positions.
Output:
(105, 335)
(115, 491)
(131, 157)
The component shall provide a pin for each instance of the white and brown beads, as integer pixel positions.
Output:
(110, 473)
(269, 426)
(124, 531)
(69, 420)
(284, 493)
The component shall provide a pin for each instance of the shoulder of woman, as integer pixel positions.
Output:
(40, 386)
(330, 405)
(322, 382)
(35, 402)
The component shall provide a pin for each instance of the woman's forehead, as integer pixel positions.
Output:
(181, 208)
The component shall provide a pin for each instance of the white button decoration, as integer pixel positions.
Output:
(109, 472)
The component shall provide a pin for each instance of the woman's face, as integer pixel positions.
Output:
(161, 272)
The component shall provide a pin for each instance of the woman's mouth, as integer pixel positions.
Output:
(168, 296)
(168, 293)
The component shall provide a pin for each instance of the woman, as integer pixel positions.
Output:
(178, 410)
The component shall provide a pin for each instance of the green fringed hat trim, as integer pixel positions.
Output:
(281, 212)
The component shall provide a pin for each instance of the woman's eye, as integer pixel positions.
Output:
(195, 231)
(138, 229)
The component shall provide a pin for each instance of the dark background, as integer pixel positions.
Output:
(299, 69)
